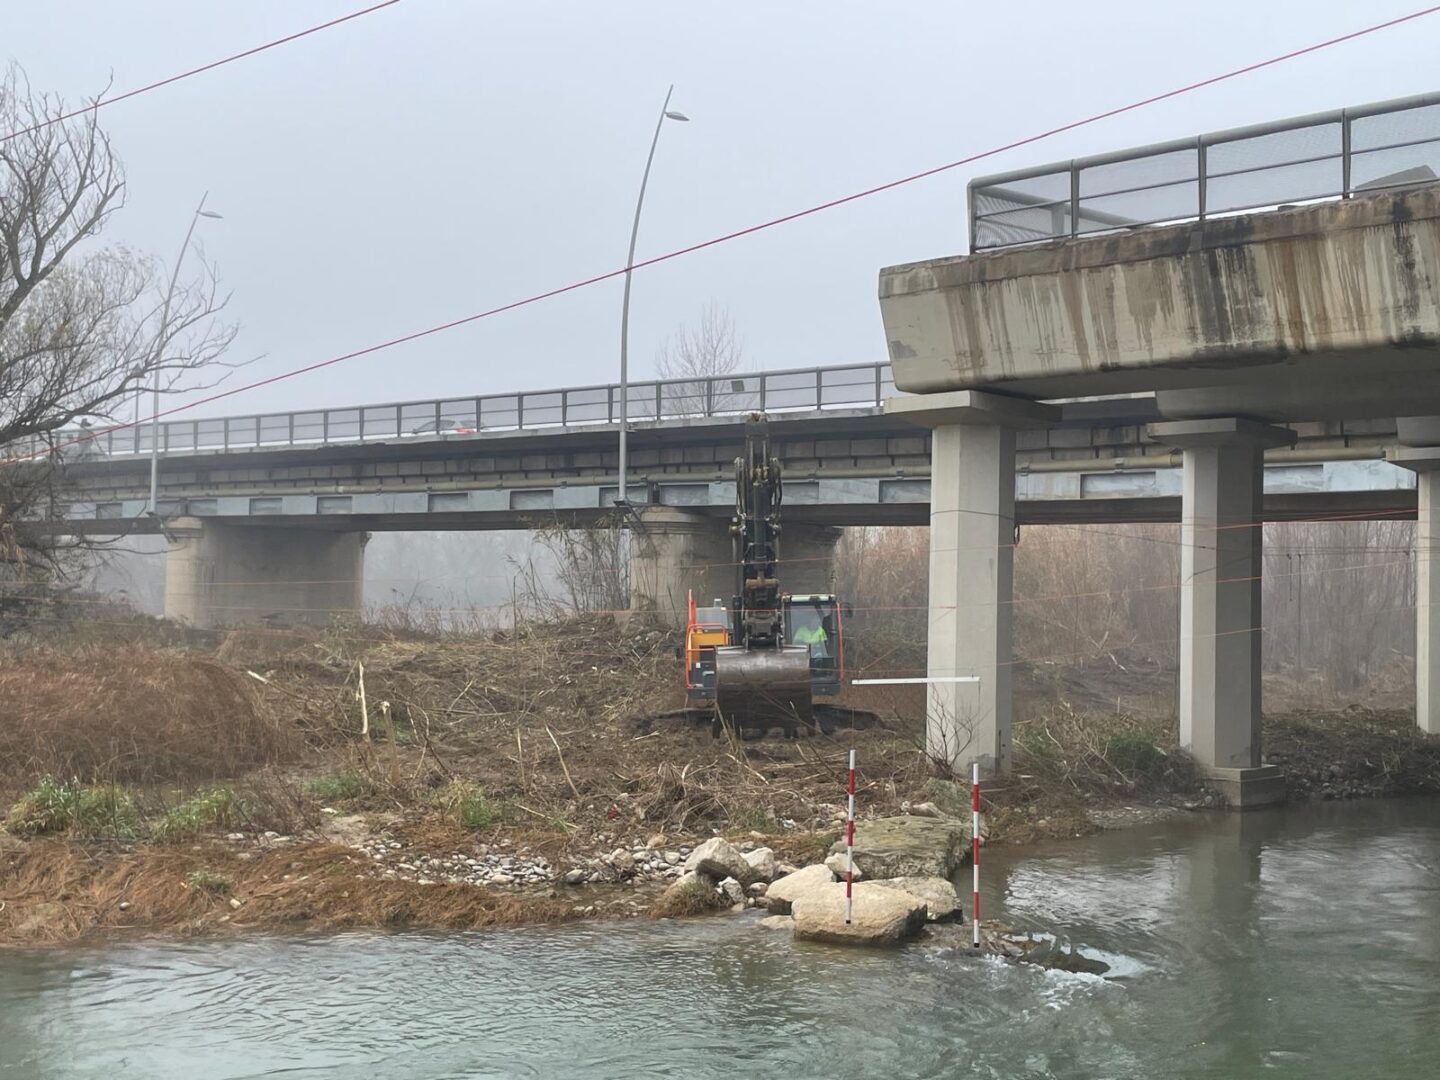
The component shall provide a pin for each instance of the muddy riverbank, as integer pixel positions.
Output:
(176, 787)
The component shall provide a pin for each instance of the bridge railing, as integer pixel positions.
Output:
(1360, 150)
(801, 390)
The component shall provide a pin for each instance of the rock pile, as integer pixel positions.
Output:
(738, 879)
(906, 863)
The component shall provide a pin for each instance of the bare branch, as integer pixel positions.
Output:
(693, 356)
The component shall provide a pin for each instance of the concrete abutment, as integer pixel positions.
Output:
(219, 574)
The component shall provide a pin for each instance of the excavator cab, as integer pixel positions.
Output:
(814, 620)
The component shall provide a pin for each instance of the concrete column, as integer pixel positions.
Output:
(972, 558)
(1425, 461)
(673, 551)
(807, 557)
(1220, 620)
(221, 574)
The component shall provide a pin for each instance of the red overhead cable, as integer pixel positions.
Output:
(102, 102)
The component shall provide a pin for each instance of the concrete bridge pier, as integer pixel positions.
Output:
(674, 551)
(972, 569)
(1221, 558)
(219, 574)
(1424, 461)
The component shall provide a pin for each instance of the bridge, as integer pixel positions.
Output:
(1220, 330)
(283, 501)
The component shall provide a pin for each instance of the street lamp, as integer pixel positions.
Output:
(666, 113)
(156, 357)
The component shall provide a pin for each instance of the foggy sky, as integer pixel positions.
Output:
(443, 156)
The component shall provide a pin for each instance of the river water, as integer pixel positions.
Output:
(1295, 943)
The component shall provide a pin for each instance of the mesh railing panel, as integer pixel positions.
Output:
(672, 399)
(1391, 146)
(1023, 211)
(1281, 167)
(1140, 191)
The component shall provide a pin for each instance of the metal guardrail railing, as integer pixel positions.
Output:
(1369, 148)
(803, 390)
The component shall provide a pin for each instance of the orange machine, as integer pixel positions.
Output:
(706, 629)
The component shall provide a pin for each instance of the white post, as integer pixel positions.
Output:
(975, 848)
(850, 842)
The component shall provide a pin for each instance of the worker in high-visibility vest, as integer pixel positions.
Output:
(815, 637)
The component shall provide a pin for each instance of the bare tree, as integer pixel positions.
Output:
(83, 325)
(693, 357)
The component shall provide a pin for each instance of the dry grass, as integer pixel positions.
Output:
(685, 898)
(131, 714)
(55, 892)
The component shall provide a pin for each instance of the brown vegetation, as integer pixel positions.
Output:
(133, 715)
(55, 892)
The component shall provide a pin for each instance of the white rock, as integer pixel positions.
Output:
(837, 863)
(234, 903)
(732, 890)
(786, 890)
(881, 916)
(776, 922)
(718, 858)
(925, 809)
(941, 899)
(757, 888)
(673, 858)
(574, 877)
(762, 864)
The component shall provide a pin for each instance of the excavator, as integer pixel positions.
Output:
(762, 660)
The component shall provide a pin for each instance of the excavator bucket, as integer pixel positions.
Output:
(758, 688)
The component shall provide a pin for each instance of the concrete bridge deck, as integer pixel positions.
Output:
(851, 466)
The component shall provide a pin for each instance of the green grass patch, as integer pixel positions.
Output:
(471, 808)
(215, 808)
(56, 806)
(339, 786)
(208, 881)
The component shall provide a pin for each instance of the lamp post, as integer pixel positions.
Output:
(156, 356)
(666, 113)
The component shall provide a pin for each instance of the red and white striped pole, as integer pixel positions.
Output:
(975, 846)
(850, 841)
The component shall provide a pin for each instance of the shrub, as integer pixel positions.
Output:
(214, 808)
(1134, 753)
